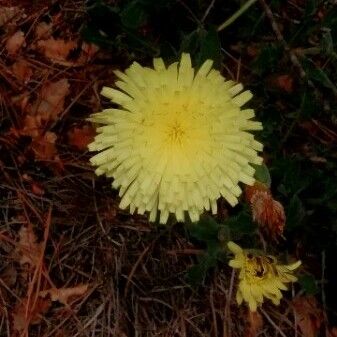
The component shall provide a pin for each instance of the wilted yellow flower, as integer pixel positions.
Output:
(260, 276)
(178, 141)
(266, 211)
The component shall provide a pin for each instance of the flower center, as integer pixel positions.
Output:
(258, 267)
(176, 132)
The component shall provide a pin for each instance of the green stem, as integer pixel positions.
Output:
(237, 14)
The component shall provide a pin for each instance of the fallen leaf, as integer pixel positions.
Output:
(88, 50)
(9, 13)
(332, 332)
(64, 295)
(9, 276)
(28, 250)
(25, 314)
(43, 30)
(32, 126)
(309, 315)
(57, 50)
(22, 70)
(14, 43)
(50, 101)
(37, 189)
(254, 324)
(35, 186)
(21, 100)
(44, 147)
(80, 137)
(285, 82)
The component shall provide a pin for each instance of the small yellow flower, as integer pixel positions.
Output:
(178, 140)
(260, 276)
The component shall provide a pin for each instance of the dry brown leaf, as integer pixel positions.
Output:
(32, 126)
(80, 137)
(255, 324)
(285, 82)
(24, 314)
(9, 276)
(332, 332)
(309, 315)
(9, 13)
(22, 70)
(27, 249)
(43, 30)
(14, 43)
(21, 100)
(57, 50)
(64, 295)
(88, 50)
(44, 147)
(50, 102)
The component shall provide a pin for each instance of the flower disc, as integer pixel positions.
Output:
(178, 141)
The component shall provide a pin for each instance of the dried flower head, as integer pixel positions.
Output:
(260, 276)
(266, 211)
(178, 141)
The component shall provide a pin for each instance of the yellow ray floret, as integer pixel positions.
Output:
(178, 140)
(260, 276)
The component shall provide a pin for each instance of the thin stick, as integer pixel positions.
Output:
(273, 323)
(293, 58)
(236, 15)
(208, 10)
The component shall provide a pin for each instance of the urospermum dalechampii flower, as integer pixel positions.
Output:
(178, 141)
(260, 276)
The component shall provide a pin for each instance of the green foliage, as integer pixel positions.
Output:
(267, 59)
(308, 284)
(202, 45)
(262, 174)
(215, 237)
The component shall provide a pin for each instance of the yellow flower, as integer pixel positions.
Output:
(260, 276)
(178, 140)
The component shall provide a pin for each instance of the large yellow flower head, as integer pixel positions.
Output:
(177, 141)
(260, 276)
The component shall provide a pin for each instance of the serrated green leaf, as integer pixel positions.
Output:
(210, 48)
(309, 284)
(133, 15)
(190, 43)
(262, 174)
(206, 229)
(241, 224)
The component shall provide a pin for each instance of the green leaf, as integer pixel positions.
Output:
(309, 284)
(190, 42)
(241, 224)
(205, 230)
(210, 48)
(318, 75)
(327, 43)
(268, 59)
(197, 273)
(262, 174)
(295, 212)
(133, 15)
(310, 8)
(202, 45)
